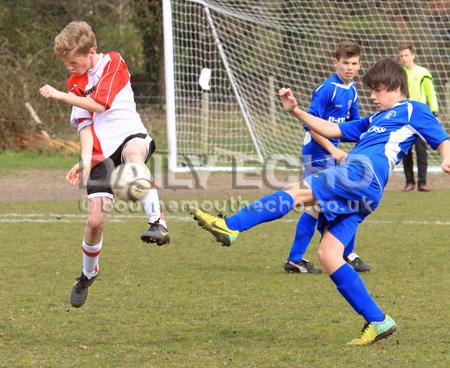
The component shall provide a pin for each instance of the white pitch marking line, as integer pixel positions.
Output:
(67, 217)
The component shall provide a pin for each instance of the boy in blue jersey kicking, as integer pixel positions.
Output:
(334, 100)
(349, 192)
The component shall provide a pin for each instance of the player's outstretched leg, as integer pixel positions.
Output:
(216, 225)
(226, 230)
(79, 292)
(374, 331)
(268, 208)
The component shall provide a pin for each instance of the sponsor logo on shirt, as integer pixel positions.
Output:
(390, 114)
(376, 129)
(87, 92)
(332, 119)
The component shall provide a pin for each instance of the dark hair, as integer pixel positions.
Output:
(387, 73)
(347, 49)
(407, 46)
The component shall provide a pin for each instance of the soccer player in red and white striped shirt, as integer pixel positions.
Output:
(111, 132)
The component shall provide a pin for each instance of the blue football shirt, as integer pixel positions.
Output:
(386, 137)
(336, 102)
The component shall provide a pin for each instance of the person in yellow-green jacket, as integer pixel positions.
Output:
(420, 88)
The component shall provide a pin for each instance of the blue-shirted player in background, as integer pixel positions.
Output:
(335, 100)
(349, 192)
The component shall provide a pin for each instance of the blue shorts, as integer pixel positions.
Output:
(346, 194)
(343, 227)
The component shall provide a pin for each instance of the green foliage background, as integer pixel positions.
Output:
(27, 31)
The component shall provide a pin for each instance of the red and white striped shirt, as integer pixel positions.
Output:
(108, 83)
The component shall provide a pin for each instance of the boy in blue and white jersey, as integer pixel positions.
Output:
(335, 100)
(349, 192)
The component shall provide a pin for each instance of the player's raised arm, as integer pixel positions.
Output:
(320, 126)
(85, 103)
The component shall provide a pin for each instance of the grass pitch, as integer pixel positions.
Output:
(196, 304)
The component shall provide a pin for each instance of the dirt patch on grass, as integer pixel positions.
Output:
(35, 185)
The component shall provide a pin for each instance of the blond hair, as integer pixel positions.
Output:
(77, 38)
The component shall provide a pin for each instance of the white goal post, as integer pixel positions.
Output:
(246, 50)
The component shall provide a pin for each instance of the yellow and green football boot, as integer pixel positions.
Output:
(375, 331)
(215, 225)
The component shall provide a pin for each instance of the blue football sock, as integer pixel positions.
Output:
(268, 208)
(306, 227)
(352, 288)
(350, 246)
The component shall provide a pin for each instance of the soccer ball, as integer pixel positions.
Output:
(130, 181)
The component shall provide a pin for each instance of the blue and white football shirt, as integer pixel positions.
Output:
(386, 137)
(336, 102)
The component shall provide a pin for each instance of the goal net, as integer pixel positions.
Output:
(232, 56)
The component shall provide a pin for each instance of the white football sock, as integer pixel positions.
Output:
(152, 207)
(352, 256)
(91, 255)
